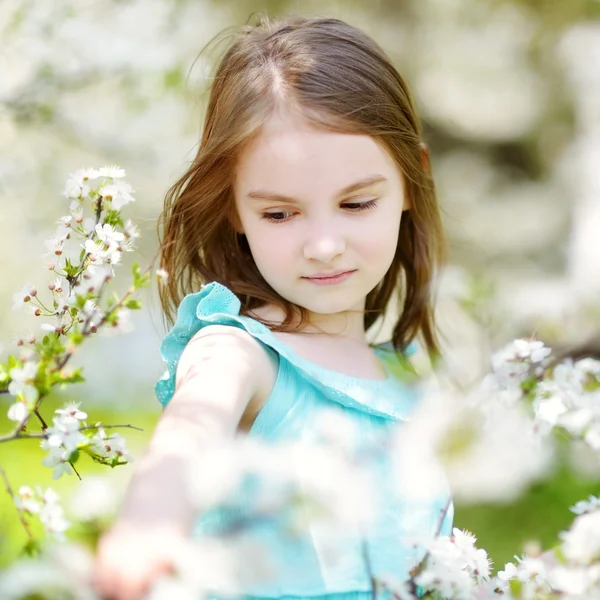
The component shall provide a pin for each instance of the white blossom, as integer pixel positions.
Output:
(58, 461)
(92, 313)
(581, 543)
(26, 500)
(162, 275)
(98, 254)
(118, 193)
(454, 565)
(18, 411)
(112, 171)
(55, 245)
(71, 411)
(107, 234)
(111, 447)
(77, 212)
(588, 366)
(513, 363)
(581, 582)
(485, 451)
(131, 230)
(65, 433)
(22, 379)
(94, 277)
(77, 186)
(584, 506)
(122, 324)
(25, 294)
(52, 515)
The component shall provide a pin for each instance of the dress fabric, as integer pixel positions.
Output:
(313, 565)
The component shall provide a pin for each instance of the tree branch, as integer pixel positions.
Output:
(20, 511)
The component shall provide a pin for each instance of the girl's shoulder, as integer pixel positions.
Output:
(390, 398)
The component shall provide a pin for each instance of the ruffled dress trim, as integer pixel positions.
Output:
(392, 398)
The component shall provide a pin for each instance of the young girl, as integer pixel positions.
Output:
(308, 209)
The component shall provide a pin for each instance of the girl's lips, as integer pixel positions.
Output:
(329, 280)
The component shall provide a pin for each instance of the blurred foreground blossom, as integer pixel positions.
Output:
(488, 452)
(62, 571)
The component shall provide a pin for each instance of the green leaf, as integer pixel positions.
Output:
(31, 548)
(73, 377)
(113, 218)
(133, 304)
(74, 456)
(76, 338)
(173, 78)
(516, 587)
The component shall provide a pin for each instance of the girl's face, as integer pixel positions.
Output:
(314, 203)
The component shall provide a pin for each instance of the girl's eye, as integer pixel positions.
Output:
(285, 215)
(277, 217)
(358, 206)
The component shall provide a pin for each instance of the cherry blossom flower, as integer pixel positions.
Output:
(131, 230)
(18, 411)
(585, 506)
(71, 411)
(58, 461)
(112, 171)
(118, 193)
(25, 294)
(77, 186)
(107, 234)
(22, 381)
(26, 500)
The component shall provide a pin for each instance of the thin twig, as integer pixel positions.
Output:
(37, 436)
(438, 530)
(369, 568)
(40, 418)
(20, 511)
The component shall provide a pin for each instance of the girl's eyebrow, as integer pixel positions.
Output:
(353, 187)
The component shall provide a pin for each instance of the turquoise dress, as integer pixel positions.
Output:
(306, 565)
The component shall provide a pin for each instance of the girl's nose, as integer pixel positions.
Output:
(324, 247)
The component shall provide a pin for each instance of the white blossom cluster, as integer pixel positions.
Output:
(572, 572)
(81, 255)
(81, 269)
(44, 504)
(454, 566)
(564, 396)
(67, 437)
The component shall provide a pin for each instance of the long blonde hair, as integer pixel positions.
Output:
(340, 80)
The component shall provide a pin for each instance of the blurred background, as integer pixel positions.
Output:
(509, 95)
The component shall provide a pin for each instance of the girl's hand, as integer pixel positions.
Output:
(130, 558)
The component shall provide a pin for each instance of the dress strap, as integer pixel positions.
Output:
(393, 398)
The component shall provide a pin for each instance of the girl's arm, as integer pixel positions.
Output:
(221, 371)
